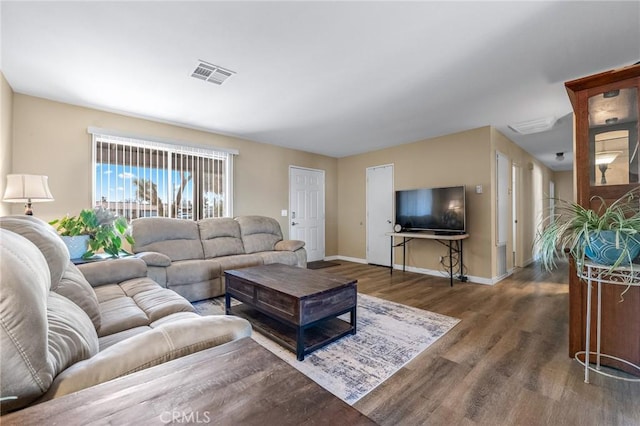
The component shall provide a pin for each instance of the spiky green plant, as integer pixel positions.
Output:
(570, 228)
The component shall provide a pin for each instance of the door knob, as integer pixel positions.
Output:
(294, 223)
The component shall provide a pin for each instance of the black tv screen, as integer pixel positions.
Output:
(432, 209)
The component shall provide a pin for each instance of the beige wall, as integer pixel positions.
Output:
(465, 158)
(533, 193)
(6, 130)
(457, 159)
(51, 138)
(564, 185)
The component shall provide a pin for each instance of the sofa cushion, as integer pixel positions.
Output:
(239, 261)
(72, 336)
(75, 287)
(191, 271)
(174, 317)
(289, 245)
(165, 343)
(112, 339)
(120, 314)
(153, 258)
(178, 239)
(286, 257)
(24, 287)
(259, 233)
(155, 301)
(45, 238)
(136, 303)
(220, 237)
(113, 271)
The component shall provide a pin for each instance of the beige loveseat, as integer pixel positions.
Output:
(64, 328)
(190, 257)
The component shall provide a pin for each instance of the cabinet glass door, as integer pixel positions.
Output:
(613, 137)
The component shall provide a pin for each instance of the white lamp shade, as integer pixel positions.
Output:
(27, 188)
(606, 157)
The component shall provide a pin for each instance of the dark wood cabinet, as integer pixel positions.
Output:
(607, 163)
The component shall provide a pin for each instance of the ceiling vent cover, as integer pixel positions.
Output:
(211, 73)
(533, 126)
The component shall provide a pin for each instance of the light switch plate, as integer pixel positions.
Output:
(478, 189)
(284, 213)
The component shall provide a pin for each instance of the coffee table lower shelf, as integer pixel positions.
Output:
(314, 335)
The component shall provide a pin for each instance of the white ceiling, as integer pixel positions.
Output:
(335, 78)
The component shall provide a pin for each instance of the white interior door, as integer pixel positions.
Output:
(306, 210)
(379, 214)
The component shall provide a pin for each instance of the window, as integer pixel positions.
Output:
(140, 178)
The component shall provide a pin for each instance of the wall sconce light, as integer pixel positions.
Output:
(27, 189)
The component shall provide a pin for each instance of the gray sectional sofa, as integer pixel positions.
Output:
(65, 328)
(190, 257)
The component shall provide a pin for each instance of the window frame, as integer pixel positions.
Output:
(171, 150)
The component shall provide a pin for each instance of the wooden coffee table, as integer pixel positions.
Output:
(296, 307)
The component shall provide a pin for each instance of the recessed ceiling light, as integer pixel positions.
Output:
(560, 156)
(211, 73)
(533, 126)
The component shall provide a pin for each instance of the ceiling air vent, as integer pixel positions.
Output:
(533, 126)
(211, 73)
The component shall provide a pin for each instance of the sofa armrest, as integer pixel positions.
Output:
(153, 258)
(289, 245)
(113, 271)
(156, 346)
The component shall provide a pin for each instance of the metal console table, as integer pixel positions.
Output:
(452, 242)
(592, 273)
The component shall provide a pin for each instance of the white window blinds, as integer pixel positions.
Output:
(139, 178)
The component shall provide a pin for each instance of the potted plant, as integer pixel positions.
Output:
(609, 235)
(94, 230)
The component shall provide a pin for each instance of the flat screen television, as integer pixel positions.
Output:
(432, 209)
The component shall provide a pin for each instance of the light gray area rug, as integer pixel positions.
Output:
(389, 335)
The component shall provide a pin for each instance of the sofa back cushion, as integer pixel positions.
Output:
(259, 233)
(177, 238)
(220, 237)
(24, 286)
(41, 332)
(45, 238)
(71, 336)
(76, 288)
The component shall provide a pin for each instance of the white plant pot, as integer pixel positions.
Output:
(77, 245)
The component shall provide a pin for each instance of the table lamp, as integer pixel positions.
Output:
(603, 159)
(27, 189)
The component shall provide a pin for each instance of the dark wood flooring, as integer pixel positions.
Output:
(505, 363)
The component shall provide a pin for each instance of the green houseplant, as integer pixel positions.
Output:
(101, 229)
(609, 235)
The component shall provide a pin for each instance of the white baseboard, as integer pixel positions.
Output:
(433, 272)
(436, 273)
(528, 262)
(348, 259)
(424, 271)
